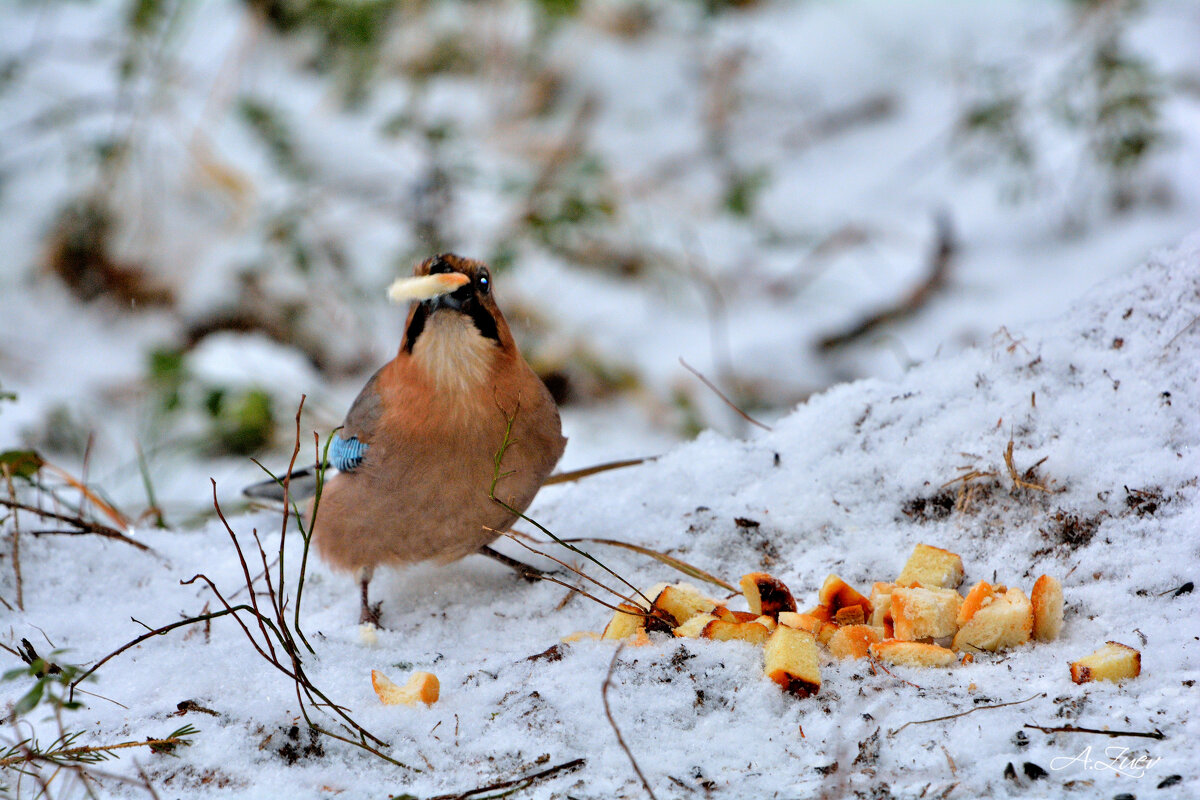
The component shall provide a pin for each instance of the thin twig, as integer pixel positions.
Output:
(544, 577)
(73, 752)
(721, 395)
(1156, 734)
(84, 526)
(965, 713)
(151, 635)
(516, 784)
(497, 475)
(608, 713)
(675, 563)
(586, 472)
(1018, 482)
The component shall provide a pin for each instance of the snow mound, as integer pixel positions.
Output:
(1102, 408)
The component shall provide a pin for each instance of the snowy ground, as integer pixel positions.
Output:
(850, 114)
(1107, 395)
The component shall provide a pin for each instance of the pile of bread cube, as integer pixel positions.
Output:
(919, 619)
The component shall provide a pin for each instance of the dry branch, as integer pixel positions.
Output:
(608, 713)
(577, 474)
(82, 526)
(965, 713)
(1156, 734)
(939, 270)
(721, 395)
(516, 784)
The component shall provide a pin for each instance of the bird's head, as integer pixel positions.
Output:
(455, 325)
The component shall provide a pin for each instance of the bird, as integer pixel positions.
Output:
(446, 444)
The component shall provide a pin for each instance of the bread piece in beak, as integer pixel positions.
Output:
(426, 287)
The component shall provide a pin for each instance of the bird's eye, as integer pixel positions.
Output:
(484, 282)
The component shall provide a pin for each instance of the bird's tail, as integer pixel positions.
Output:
(301, 486)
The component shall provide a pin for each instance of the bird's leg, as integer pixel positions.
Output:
(527, 572)
(370, 613)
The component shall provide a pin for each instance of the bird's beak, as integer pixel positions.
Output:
(453, 301)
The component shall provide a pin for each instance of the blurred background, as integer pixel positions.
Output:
(203, 201)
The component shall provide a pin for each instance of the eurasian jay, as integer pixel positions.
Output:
(416, 455)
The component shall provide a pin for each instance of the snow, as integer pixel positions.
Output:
(699, 715)
(1097, 386)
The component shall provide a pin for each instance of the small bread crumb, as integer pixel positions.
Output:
(422, 687)
(1114, 662)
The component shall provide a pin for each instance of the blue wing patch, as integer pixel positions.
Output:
(346, 454)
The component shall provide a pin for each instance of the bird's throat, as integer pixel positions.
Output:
(452, 352)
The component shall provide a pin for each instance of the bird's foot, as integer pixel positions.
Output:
(370, 614)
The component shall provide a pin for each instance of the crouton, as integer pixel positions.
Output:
(694, 626)
(881, 602)
(766, 594)
(682, 601)
(1114, 662)
(850, 615)
(820, 628)
(726, 631)
(624, 623)
(932, 568)
(837, 594)
(913, 654)
(790, 659)
(1006, 621)
(854, 641)
(920, 613)
(980, 594)
(422, 687)
(1047, 601)
(767, 622)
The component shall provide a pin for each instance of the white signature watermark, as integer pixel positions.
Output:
(1116, 758)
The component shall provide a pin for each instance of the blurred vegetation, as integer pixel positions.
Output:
(1103, 100)
(221, 420)
(396, 70)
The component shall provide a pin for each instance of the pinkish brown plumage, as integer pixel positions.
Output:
(416, 451)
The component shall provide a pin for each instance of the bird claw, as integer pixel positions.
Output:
(370, 614)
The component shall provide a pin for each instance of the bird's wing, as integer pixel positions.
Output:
(350, 444)
(347, 449)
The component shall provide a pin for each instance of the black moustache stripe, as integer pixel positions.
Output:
(485, 323)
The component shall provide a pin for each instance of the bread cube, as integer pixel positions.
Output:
(1114, 662)
(854, 641)
(932, 568)
(919, 613)
(683, 601)
(744, 631)
(812, 623)
(981, 594)
(1047, 601)
(790, 659)
(625, 622)
(694, 626)
(837, 594)
(913, 654)
(766, 594)
(1006, 621)
(881, 602)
